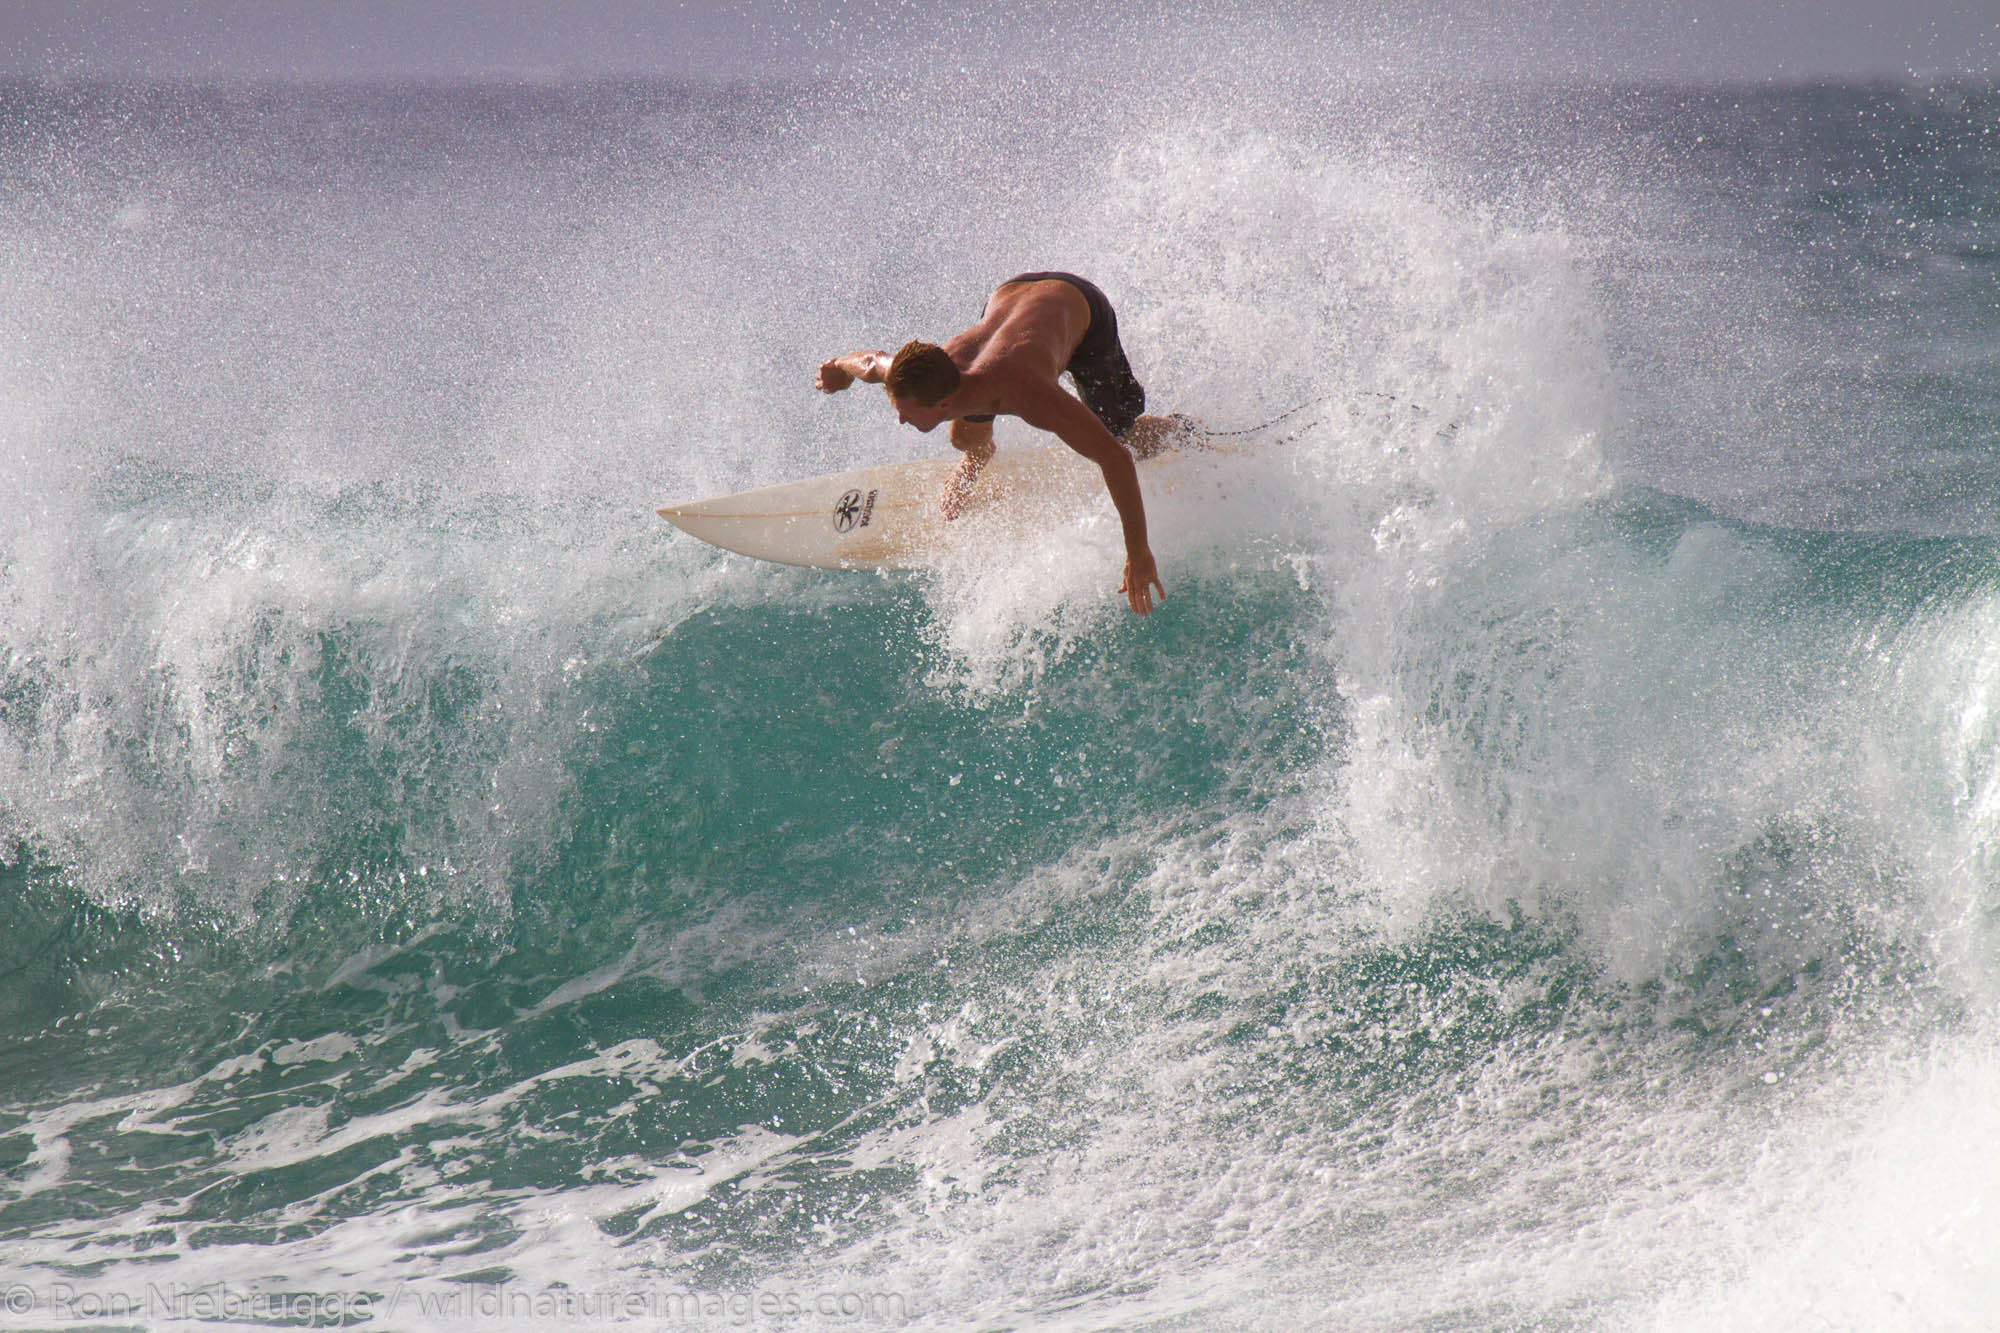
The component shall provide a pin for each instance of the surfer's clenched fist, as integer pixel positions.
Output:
(842, 371)
(1035, 328)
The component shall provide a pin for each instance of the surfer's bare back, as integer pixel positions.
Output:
(1036, 326)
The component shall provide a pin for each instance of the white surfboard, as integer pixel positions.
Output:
(888, 517)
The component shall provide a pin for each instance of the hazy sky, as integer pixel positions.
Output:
(1722, 39)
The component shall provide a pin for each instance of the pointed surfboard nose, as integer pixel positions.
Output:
(874, 518)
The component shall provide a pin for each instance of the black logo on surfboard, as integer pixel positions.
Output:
(853, 511)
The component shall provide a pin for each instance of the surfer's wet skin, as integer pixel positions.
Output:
(1537, 871)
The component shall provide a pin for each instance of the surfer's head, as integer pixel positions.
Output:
(919, 380)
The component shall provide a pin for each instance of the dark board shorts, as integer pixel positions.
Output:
(1104, 379)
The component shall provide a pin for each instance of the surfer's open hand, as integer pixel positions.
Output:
(958, 488)
(975, 442)
(1142, 580)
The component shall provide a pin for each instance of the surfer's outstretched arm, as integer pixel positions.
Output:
(1077, 426)
(974, 439)
(871, 367)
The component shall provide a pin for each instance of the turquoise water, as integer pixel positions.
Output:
(1535, 870)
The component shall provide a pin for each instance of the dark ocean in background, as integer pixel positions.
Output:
(1539, 869)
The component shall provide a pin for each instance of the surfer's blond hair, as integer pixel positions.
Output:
(921, 374)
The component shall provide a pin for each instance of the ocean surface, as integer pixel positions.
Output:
(1539, 869)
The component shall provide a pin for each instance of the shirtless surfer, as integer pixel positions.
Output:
(1036, 326)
